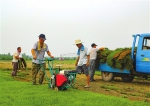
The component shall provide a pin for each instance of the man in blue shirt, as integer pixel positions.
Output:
(38, 52)
(82, 61)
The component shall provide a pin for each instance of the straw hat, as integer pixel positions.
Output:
(78, 41)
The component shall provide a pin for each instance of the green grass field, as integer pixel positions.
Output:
(17, 93)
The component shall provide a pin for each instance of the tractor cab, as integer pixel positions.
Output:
(141, 56)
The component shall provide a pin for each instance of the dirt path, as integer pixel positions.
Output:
(138, 90)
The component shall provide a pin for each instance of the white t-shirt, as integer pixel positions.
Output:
(83, 52)
(14, 59)
(93, 53)
(39, 53)
(20, 55)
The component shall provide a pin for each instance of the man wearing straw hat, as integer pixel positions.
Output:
(82, 61)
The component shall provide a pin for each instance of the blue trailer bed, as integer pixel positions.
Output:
(105, 68)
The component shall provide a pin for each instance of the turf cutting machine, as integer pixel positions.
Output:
(59, 79)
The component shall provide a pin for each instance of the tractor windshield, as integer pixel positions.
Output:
(146, 43)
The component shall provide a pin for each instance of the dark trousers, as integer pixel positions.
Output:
(15, 68)
(84, 68)
(92, 69)
(36, 68)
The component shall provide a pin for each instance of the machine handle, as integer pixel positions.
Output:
(50, 59)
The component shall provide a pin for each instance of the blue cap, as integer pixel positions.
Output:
(42, 36)
(93, 44)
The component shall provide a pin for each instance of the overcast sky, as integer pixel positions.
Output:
(108, 23)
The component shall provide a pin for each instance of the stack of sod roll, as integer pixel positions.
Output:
(119, 58)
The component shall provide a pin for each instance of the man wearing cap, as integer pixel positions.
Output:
(93, 56)
(38, 52)
(82, 61)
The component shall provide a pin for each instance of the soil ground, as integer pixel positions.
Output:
(137, 90)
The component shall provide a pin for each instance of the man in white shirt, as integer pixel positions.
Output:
(82, 61)
(93, 56)
(15, 61)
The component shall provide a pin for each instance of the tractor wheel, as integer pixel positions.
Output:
(107, 76)
(146, 77)
(127, 78)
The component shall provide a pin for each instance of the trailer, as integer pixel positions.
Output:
(140, 58)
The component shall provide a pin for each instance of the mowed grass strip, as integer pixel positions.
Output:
(17, 93)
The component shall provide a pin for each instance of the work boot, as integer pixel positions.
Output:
(79, 73)
(92, 80)
(86, 86)
(40, 83)
(33, 83)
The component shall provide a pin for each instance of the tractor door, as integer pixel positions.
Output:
(143, 55)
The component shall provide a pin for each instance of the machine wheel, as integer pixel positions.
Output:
(127, 78)
(57, 88)
(107, 76)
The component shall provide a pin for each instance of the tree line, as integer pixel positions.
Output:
(10, 57)
(27, 57)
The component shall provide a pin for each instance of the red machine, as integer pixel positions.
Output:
(63, 81)
(60, 80)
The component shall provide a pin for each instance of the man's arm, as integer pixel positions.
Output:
(77, 60)
(102, 48)
(49, 54)
(17, 57)
(88, 57)
(88, 60)
(33, 51)
(33, 54)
